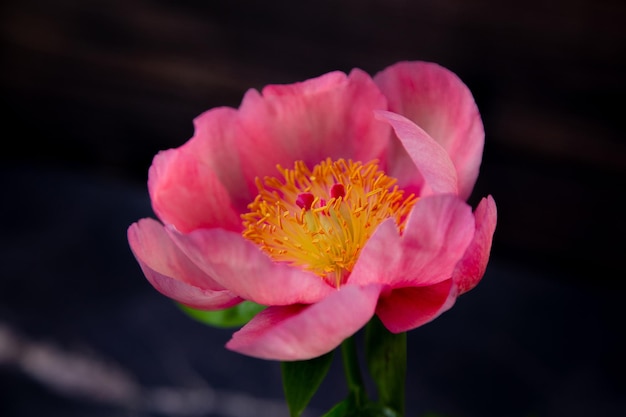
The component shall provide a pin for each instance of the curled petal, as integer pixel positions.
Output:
(187, 193)
(436, 235)
(171, 272)
(240, 266)
(327, 116)
(471, 267)
(299, 332)
(431, 160)
(403, 309)
(441, 104)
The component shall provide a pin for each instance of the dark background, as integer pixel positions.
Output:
(91, 90)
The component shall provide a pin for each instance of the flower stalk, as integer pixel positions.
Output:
(352, 370)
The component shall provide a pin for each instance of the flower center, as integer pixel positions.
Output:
(320, 219)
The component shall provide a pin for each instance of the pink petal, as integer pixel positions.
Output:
(472, 266)
(441, 104)
(404, 309)
(185, 183)
(239, 265)
(216, 139)
(299, 332)
(437, 234)
(171, 272)
(329, 116)
(432, 161)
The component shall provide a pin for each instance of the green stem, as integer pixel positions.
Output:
(385, 354)
(352, 370)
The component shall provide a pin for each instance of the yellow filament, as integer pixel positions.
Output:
(327, 237)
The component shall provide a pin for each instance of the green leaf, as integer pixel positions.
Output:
(343, 409)
(385, 354)
(231, 317)
(301, 379)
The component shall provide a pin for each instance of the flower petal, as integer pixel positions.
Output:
(240, 266)
(171, 272)
(472, 266)
(299, 332)
(215, 141)
(185, 183)
(431, 160)
(441, 104)
(328, 116)
(437, 234)
(404, 309)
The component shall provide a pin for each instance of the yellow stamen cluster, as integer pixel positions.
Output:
(320, 219)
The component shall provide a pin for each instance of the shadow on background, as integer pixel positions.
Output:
(92, 90)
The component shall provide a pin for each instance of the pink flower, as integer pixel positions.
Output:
(328, 201)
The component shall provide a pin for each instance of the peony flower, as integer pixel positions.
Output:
(329, 201)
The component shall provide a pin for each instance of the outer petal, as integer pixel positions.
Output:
(435, 237)
(215, 142)
(299, 332)
(471, 268)
(199, 184)
(404, 309)
(441, 104)
(328, 116)
(431, 160)
(239, 265)
(171, 272)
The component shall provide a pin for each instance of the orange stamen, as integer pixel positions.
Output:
(320, 219)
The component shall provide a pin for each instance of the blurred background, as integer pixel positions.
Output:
(91, 90)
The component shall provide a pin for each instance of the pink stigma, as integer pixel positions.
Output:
(305, 200)
(337, 191)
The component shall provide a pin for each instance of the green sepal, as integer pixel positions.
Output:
(235, 316)
(301, 379)
(385, 354)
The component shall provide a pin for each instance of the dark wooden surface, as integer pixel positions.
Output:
(91, 90)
